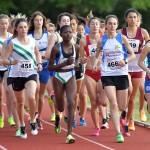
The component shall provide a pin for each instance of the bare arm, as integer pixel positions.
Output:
(129, 48)
(143, 55)
(98, 54)
(82, 44)
(7, 54)
(51, 42)
(77, 48)
(145, 35)
(38, 58)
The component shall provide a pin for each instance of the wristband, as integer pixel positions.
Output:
(126, 61)
(39, 64)
(10, 62)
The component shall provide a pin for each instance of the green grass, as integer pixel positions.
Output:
(136, 109)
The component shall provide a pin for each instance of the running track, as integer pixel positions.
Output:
(47, 139)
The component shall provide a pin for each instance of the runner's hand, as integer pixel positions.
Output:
(70, 61)
(39, 67)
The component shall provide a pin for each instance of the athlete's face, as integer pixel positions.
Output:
(132, 19)
(102, 28)
(81, 29)
(94, 26)
(67, 34)
(22, 29)
(112, 24)
(65, 20)
(38, 22)
(4, 24)
(51, 29)
(73, 25)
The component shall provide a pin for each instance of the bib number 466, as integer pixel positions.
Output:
(113, 64)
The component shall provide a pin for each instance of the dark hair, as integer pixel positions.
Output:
(31, 21)
(60, 17)
(130, 10)
(111, 16)
(73, 17)
(63, 28)
(81, 21)
(92, 19)
(16, 24)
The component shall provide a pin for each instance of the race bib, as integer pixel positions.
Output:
(134, 44)
(112, 59)
(112, 64)
(25, 66)
(92, 49)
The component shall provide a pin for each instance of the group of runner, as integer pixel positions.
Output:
(70, 64)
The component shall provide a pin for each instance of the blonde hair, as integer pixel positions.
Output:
(13, 18)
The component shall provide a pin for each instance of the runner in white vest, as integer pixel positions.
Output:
(26, 61)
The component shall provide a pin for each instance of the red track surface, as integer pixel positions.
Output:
(47, 139)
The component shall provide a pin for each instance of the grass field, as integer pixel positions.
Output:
(136, 109)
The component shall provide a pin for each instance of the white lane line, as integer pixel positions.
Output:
(99, 144)
(81, 137)
(2, 147)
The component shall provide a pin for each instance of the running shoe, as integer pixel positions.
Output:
(96, 132)
(143, 117)
(120, 138)
(82, 122)
(23, 132)
(57, 125)
(39, 124)
(74, 123)
(131, 125)
(126, 131)
(18, 132)
(70, 139)
(53, 117)
(105, 125)
(11, 121)
(2, 121)
(34, 131)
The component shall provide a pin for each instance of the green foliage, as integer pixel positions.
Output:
(6, 6)
(139, 4)
(101, 8)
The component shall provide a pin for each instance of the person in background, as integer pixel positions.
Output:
(50, 27)
(136, 36)
(143, 117)
(88, 45)
(4, 35)
(8, 78)
(81, 103)
(146, 54)
(55, 38)
(81, 25)
(37, 30)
